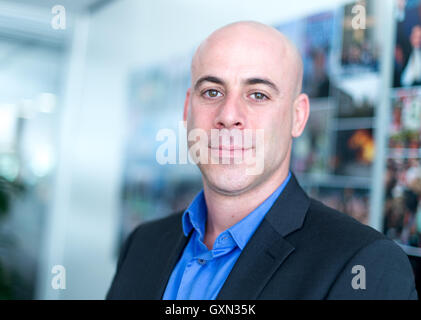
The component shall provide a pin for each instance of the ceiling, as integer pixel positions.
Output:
(71, 5)
(30, 20)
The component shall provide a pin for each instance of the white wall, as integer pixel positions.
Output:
(124, 35)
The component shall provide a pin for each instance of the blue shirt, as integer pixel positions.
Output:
(200, 273)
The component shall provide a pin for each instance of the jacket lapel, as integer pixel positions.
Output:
(267, 249)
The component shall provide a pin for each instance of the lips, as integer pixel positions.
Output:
(229, 152)
(230, 149)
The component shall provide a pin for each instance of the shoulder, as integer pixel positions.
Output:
(343, 242)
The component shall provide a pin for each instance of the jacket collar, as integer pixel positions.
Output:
(289, 210)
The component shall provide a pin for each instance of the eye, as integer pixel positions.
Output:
(212, 93)
(259, 96)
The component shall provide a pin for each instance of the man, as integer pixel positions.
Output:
(255, 236)
(408, 46)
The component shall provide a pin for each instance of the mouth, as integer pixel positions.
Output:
(230, 152)
(230, 148)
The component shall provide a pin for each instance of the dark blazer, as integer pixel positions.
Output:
(301, 250)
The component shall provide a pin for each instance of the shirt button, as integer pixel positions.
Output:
(201, 261)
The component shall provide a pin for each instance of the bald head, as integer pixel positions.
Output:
(250, 35)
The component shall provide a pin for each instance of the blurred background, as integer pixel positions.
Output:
(85, 85)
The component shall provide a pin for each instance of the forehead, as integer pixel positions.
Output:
(241, 55)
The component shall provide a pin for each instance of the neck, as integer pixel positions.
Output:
(224, 210)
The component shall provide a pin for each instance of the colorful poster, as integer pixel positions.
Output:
(318, 36)
(407, 62)
(405, 126)
(360, 45)
(402, 210)
(355, 151)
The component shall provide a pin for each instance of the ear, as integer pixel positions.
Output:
(186, 106)
(300, 114)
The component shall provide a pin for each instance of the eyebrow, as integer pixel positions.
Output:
(208, 79)
(249, 81)
(267, 82)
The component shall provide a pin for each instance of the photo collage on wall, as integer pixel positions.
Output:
(402, 185)
(341, 77)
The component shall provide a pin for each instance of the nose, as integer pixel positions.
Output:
(230, 114)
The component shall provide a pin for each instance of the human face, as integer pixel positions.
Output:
(245, 80)
(415, 37)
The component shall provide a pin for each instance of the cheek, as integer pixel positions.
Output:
(279, 126)
(200, 117)
(277, 136)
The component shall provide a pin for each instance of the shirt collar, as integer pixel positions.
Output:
(195, 217)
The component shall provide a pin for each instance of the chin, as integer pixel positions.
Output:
(228, 179)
